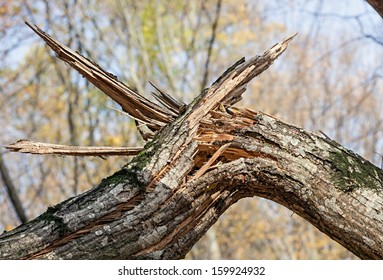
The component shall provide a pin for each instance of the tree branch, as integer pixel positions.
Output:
(168, 196)
(211, 43)
(12, 192)
(152, 201)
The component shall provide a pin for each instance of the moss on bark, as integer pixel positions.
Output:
(352, 172)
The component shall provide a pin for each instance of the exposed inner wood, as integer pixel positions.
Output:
(131, 102)
(27, 146)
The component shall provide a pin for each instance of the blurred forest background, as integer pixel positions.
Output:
(329, 79)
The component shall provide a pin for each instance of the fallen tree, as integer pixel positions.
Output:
(199, 160)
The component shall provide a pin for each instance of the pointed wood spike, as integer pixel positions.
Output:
(130, 101)
(172, 110)
(213, 158)
(31, 147)
(229, 85)
(168, 99)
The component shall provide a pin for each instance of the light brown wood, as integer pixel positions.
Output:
(31, 147)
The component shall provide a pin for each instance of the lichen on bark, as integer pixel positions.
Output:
(352, 172)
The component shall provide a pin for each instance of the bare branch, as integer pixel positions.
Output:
(211, 43)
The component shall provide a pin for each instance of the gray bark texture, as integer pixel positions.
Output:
(194, 167)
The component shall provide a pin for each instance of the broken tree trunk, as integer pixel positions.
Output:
(197, 165)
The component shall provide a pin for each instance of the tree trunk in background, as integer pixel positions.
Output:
(198, 165)
(12, 191)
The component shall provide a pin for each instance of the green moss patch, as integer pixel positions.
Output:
(352, 172)
(131, 172)
(49, 217)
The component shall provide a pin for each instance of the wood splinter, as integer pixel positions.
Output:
(31, 147)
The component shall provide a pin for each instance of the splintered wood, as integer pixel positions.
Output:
(174, 175)
(143, 111)
(131, 102)
(26, 146)
(215, 134)
(206, 166)
(212, 121)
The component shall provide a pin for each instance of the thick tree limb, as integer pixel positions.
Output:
(168, 196)
(162, 168)
(316, 178)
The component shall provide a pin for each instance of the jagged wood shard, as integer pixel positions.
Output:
(131, 102)
(31, 147)
(234, 81)
(226, 90)
(168, 101)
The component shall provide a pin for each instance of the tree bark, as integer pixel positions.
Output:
(198, 165)
(377, 5)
